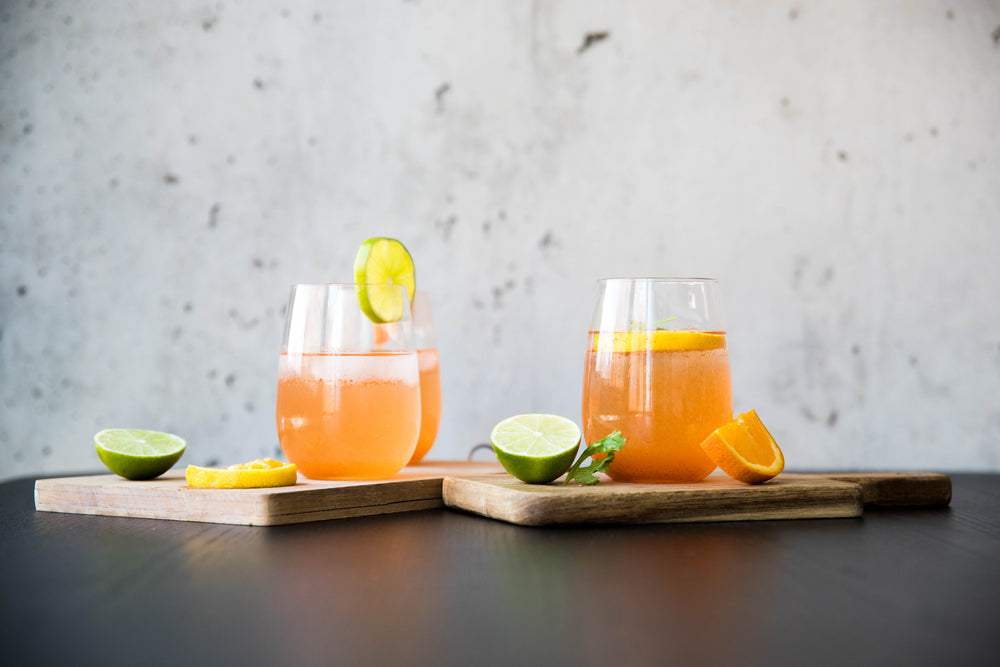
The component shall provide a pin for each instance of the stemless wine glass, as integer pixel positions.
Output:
(658, 371)
(348, 389)
(430, 376)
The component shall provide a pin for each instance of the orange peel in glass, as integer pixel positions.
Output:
(658, 341)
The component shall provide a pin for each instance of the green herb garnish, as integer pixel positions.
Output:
(639, 325)
(586, 475)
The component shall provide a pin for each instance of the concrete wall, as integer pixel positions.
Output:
(168, 170)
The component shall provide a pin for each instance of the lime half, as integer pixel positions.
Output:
(536, 448)
(136, 454)
(383, 261)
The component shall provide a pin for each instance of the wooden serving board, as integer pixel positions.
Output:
(482, 488)
(169, 497)
(717, 498)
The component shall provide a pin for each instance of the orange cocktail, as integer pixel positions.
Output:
(430, 374)
(348, 415)
(666, 391)
(430, 402)
(348, 403)
(657, 370)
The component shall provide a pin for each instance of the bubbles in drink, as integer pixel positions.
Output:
(395, 367)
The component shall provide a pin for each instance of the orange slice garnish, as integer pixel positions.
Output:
(260, 473)
(745, 450)
(658, 341)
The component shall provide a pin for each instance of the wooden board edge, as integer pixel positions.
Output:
(900, 489)
(337, 498)
(834, 499)
(259, 519)
(469, 495)
(62, 496)
(352, 512)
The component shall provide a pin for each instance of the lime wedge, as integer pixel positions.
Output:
(383, 261)
(136, 454)
(536, 448)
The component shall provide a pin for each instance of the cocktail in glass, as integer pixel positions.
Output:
(430, 375)
(657, 370)
(348, 404)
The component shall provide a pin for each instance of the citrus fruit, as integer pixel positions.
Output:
(383, 261)
(137, 454)
(255, 474)
(634, 341)
(536, 448)
(745, 450)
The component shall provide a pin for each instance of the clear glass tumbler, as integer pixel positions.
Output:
(430, 375)
(348, 389)
(657, 370)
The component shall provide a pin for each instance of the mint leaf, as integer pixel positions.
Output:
(587, 475)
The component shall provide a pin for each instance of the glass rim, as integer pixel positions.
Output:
(347, 285)
(660, 280)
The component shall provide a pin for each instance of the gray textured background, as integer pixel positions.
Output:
(168, 170)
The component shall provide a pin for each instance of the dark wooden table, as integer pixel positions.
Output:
(437, 587)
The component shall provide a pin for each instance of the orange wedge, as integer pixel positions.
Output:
(745, 450)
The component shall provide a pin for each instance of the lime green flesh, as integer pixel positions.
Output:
(536, 448)
(383, 261)
(137, 454)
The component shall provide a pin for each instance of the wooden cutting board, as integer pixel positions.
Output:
(482, 488)
(168, 497)
(717, 498)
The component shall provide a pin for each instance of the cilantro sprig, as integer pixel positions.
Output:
(587, 474)
(639, 325)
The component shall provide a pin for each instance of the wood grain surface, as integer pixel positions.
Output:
(482, 488)
(899, 489)
(717, 498)
(169, 497)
